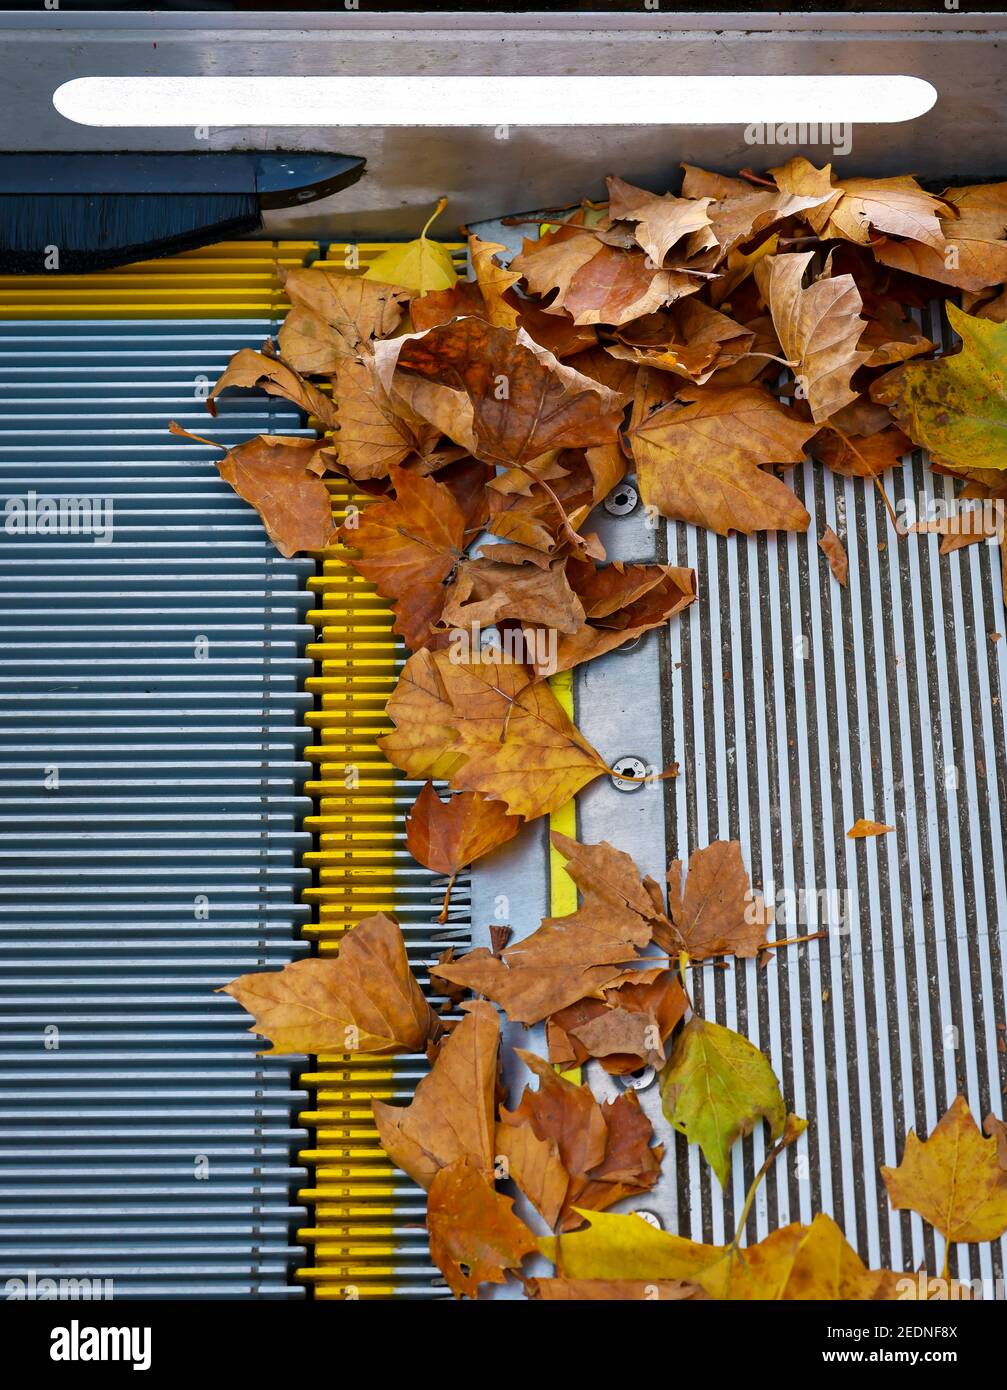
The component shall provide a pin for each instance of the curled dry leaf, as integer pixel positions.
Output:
(818, 328)
(706, 462)
(475, 1238)
(279, 476)
(579, 1031)
(569, 958)
(366, 1000)
(375, 434)
(718, 913)
(716, 1088)
(579, 1154)
(896, 207)
(484, 592)
(954, 1179)
(662, 220)
(689, 340)
(335, 317)
(451, 1114)
(864, 829)
(973, 254)
(254, 372)
(832, 548)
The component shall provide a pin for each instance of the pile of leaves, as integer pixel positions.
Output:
(708, 341)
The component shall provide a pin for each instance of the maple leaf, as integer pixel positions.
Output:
(954, 1179)
(366, 1000)
(718, 913)
(705, 462)
(956, 406)
(475, 1238)
(863, 829)
(520, 401)
(279, 476)
(818, 328)
(448, 835)
(421, 265)
(661, 220)
(715, 1089)
(451, 1114)
(739, 210)
(335, 317)
(253, 371)
(407, 546)
(580, 1154)
(375, 434)
(690, 340)
(832, 547)
(568, 958)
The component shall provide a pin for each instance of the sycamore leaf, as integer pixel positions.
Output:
(954, 1179)
(475, 1238)
(974, 253)
(956, 406)
(818, 328)
(596, 283)
(574, 957)
(739, 210)
(661, 220)
(896, 207)
(690, 340)
(582, 1030)
(375, 433)
(366, 1000)
(484, 592)
(423, 742)
(522, 402)
(448, 835)
(718, 913)
(279, 475)
(494, 282)
(451, 1114)
(705, 462)
(832, 547)
(864, 829)
(716, 1087)
(603, 1150)
(795, 1262)
(421, 265)
(407, 546)
(335, 316)
(518, 744)
(253, 371)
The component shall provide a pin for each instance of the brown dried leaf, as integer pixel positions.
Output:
(448, 835)
(718, 913)
(475, 1238)
(832, 547)
(252, 371)
(335, 316)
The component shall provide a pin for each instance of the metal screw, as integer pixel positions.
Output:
(622, 501)
(651, 1218)
(637, 1080)
(627, 767)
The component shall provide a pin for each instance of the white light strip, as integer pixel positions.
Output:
(489, 101)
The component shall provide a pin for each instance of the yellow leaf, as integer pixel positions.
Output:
(422, 265)
(953, 1179)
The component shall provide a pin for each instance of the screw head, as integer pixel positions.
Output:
(637, 1080)
(651, 1218)
(625, 768)
(622, 500)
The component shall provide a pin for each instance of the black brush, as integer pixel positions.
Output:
(78, 212)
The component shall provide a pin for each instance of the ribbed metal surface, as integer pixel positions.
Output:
(797, 707)
(161, 676)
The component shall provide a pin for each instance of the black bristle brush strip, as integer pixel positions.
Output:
(68, 213)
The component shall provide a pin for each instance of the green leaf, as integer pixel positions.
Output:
(422, 265)
(716, 1087)
(956, 406)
